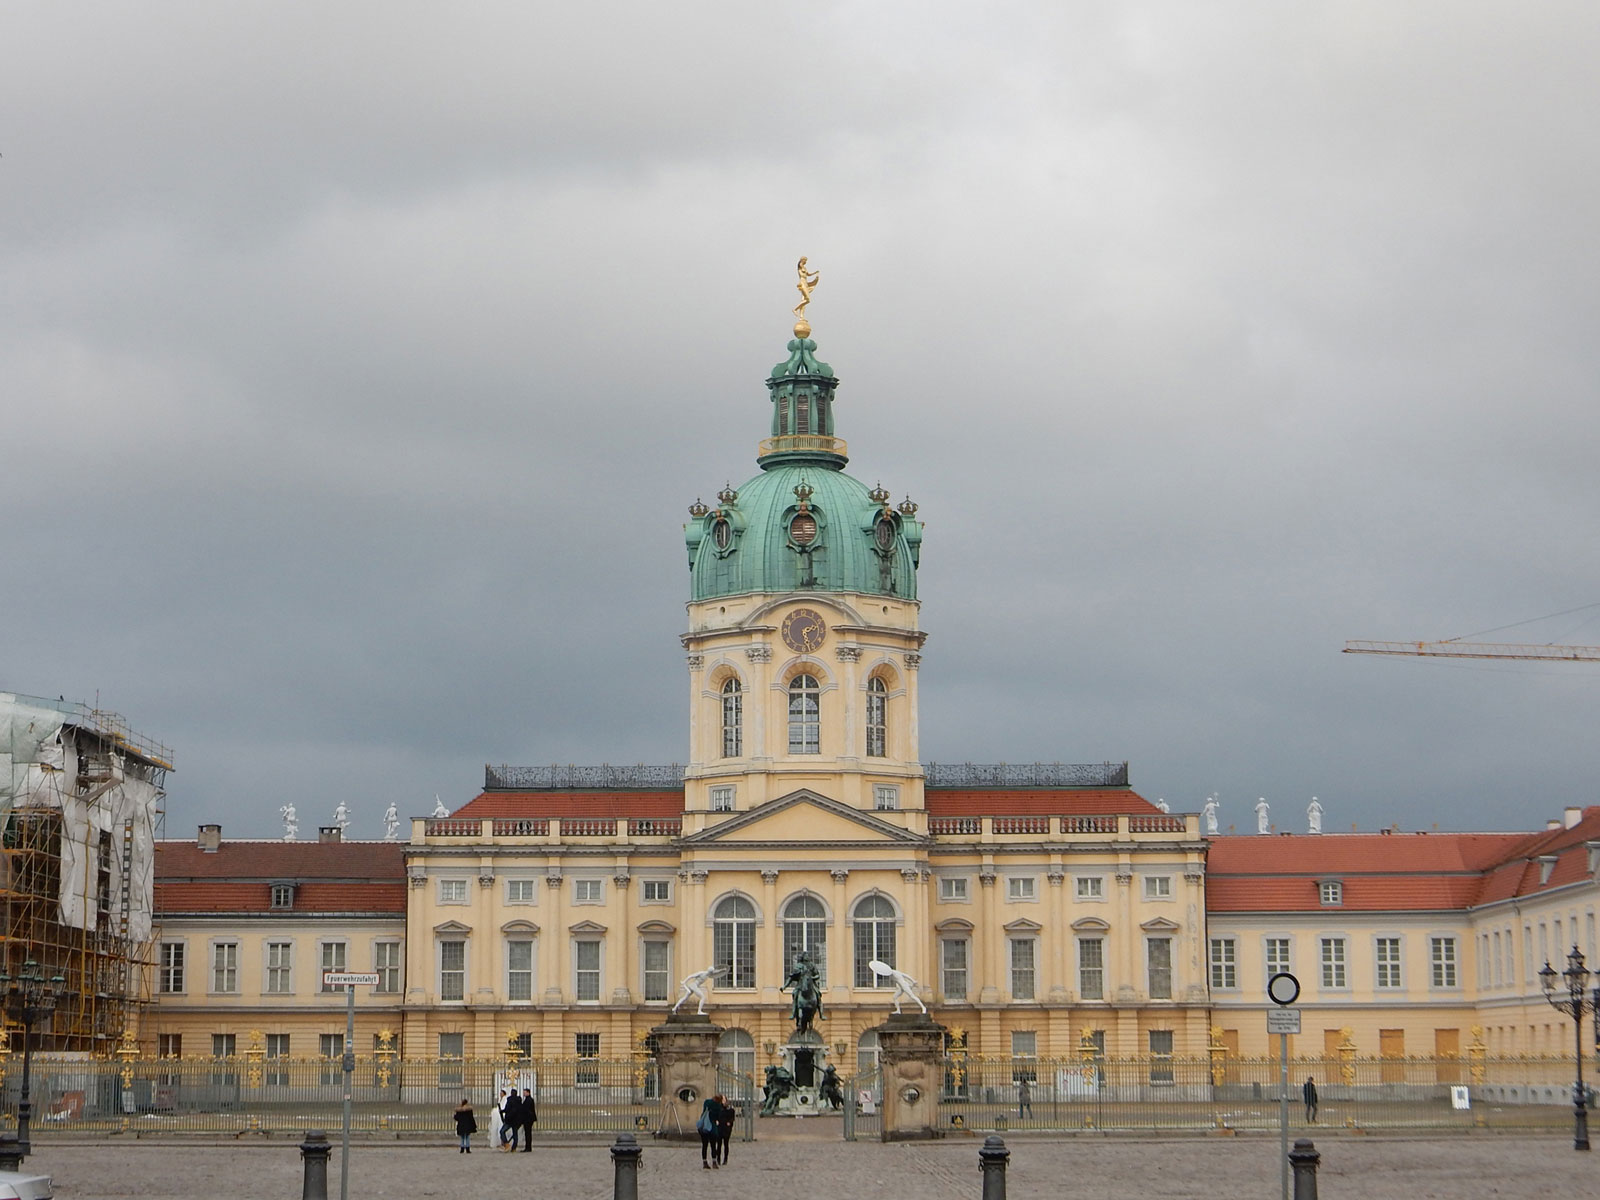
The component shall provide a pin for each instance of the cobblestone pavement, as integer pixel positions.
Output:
(1197, 1168)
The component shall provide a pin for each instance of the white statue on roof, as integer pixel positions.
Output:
(341, 817)
(1263, 824)
(391, 822)
(1163, 805)
(1210, 811)
(1314, 816)
(291, 826)
(439, 810)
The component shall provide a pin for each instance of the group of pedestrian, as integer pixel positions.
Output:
(515, 1112)
(715, 1128)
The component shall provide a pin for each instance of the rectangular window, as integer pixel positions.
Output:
(453, 969)
(1333, 963)
(1025, 1047)
(1160, 1056)
(1022, 972)
(657, 891)
(586, 968)
(657, 970)
(1331, 893)
(1277, 954)
(1224, 963)
(283, 895)
(952, 888)
(1158, 887)
(386, 962)
(1443, 955)
(1091, 968)
(953, 968)
(171, 967)
(1021, 887)
(452, 1049)
(522, 891)
(586, 1046)
(333, 959)
(1158, 960)
(169, 1045)
(586, 891)
(885, 797)
(519, 969)
(1091, 887)
(277, 1048)
(330, 1048)
(1388, 962)
(280, 964)
(722, 798)
(452, 891)
(222, 1045)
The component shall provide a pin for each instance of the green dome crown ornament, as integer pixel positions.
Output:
(803, 524)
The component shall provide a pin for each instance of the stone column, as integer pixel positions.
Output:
(911, 1052)
(687, 1057)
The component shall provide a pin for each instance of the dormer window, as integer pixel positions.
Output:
(1331, 893)
(283, 895)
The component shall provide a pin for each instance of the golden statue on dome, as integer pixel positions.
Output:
(808, 281)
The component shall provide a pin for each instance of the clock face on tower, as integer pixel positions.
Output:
(803, 630)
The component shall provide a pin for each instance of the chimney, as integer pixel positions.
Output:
(210, 838)
(1573, 814)
(329, 833)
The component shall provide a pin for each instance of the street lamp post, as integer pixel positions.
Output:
(1575, 1004)
(28, 998)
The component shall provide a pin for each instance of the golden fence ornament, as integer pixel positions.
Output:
(1347, 1055)
(1218, 1052)
(254, 1054)
(1476, 1053)
(128, 1051)
(385, 1054)
(513, 1051)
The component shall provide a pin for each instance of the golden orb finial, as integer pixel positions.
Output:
(808, 280)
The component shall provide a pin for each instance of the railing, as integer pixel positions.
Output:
(1081, 824)
(1021, 824)
(588, 827)
(946, 826)
(555, 776)
(451, 827)
(966, 775)
(863, 1105)
(1040, 826)
(813, 443)
(655, 826)
(938, 775)
(521, 827)
(1161, 824)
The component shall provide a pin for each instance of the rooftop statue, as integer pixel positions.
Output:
(904, 986)
(1210, 811)
(807, 981)
(808, 281)
(291, 824)
(341, 816)
(391, 823)
(1314, 816)
(1263, 824)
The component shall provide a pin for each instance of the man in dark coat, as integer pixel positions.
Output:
(510, 1118)
(527, 1114)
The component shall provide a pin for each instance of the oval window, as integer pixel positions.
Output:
(803, 529)
(883, 534)
(721, 533)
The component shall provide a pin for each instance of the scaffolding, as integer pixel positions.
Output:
(80, 814)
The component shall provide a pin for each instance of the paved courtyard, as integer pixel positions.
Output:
(1196, 1168)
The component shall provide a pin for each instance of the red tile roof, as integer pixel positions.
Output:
(281, 861)
(309, 898)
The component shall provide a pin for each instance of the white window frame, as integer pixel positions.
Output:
(1444, 961)
(1150, 967)
(1158, 887)
(1090, 887)
(173, 966)
(224, 974)
(1330, 893)
(1388, 975)
(663, 971)
(1224, 963)
(661, 886)
(452, 891)
(512, 942)
(331, 948)
(383, 969)
(1098, 969)
(722, 797)
(955, 889)
(1030, 945)
(1273, 964)
(588, 891)
(1333, 962)
(964, 970)
(440, 971)
(1022, 889)
(279, 972)
(885, 797)
(580, 972)
(522, 891)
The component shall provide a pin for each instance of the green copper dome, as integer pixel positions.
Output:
(803, 524)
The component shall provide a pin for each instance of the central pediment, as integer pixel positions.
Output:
(804, 817)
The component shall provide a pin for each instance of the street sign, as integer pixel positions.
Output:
(1283, 1020)
(1283, 988)
(350, 978)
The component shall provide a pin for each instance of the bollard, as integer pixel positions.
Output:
(1304, 1159)
(992, 1158)
(314, 1152)
(625, 1155)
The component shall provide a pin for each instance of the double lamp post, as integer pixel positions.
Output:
(1575, 1003)
(28, 998)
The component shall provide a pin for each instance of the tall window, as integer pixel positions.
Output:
(732, 719)
(734, 942)
(333, 959)
(172, 967)
(453, 969)
(586, 969)
(1333, 963)
(874, 937)
(586, 1045)
(805, 927)
(1091, 968)
(222, 1045)
(1224, 963)
(736, 1050)
(877, 717)
(805, 719)
(277, 1048)
(386, 962)
(169, 1045)
(1158, 959)
(452, 1049)
(1277, 956)
(953, 968)
(1022, 972)
(280, 960)
(519, 969)
(1161, 1056)
(1443, 955)
(657, 970)
(1388, 962)
(330, 1048)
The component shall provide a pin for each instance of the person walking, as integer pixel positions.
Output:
(527, 1115)
(706, 1127)
(724, 1124)
(1024, 1098)
(466, 1125)
(1309, 1094)
(510, 1115)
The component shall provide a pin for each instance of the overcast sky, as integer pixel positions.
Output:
(360, 360)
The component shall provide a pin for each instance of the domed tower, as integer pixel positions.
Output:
(803, 644)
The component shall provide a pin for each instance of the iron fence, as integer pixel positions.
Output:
(863, 1105)
(738, 1088)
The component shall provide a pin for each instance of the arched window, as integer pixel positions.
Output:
(736, 1050)
(877, 717)
(732, 719)
(805, 927)
(805, 720)
(867, 1055)
(874, 938)
(733, 942)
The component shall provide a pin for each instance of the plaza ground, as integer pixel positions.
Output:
(1468, 1167)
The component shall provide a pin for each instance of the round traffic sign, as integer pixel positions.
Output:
(1283, 988)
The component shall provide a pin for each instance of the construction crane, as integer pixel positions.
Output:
(1454, 649)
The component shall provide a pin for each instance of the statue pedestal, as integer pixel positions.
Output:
(804, 1056)
(686, 1056)
(911, 1054)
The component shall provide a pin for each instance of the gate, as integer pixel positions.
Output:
(863, 1106)
(739, 1089)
